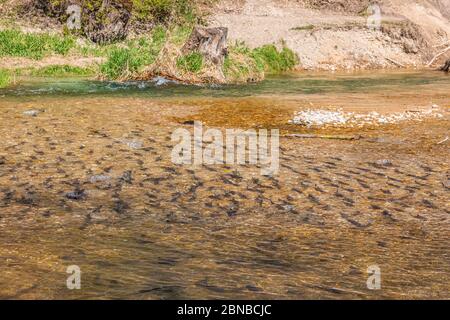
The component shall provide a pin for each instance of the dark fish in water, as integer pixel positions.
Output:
(428, 204)
(253, 288)
(78, 194)
(319, 189)
(164, 289)
(297, 190)
(126, 177)
(363, 184)
(204, 284)
(348, 202)
(380, 164)
(27, 199)
(228, 181)
(387, 214)
(354, 222)
(313, 199)
(232, 210)
(170, 170)
(155, 180)
(120, 206)
(427, 168)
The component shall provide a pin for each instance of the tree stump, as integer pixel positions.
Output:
(446, 66)
(210, 42)
(107, 23)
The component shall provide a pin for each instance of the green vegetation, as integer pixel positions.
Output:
(123, 61)
(192, 62)
(62, 70)
(33, 45)
(271, 60)
(239, 64)
(179, 34)
(163, 11)
(5, 78)
(174, 20)
(245, 64)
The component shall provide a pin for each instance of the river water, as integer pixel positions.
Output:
(145, 228)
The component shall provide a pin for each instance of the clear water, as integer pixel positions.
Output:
(175, 232)
(290, 84)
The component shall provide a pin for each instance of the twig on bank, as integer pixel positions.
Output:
(437, 56)
(395, 62)
(442, 44)
(445, 140)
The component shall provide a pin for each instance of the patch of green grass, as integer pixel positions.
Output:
(5, 78)
(152, 9)
(180, 34)
(15, 43)
(158, 37)
(61, 71)
(245, 64)
(123, 61)
(165, 11)
(192, 62)
(240, 66)
(272, 60)
(240, 70)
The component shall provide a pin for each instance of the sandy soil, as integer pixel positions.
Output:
(329, 40)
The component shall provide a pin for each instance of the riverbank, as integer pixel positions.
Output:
(263, 38)
(137, 58)
(334, 35)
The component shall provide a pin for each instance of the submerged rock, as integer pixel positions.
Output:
(134, 144)
(384, 162)
(32, 113)
(99, 178)
(160, 81)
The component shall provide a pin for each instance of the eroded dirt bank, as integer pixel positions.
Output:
(333, 35)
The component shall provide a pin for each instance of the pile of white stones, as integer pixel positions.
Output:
(339, 118)
(311, 118)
